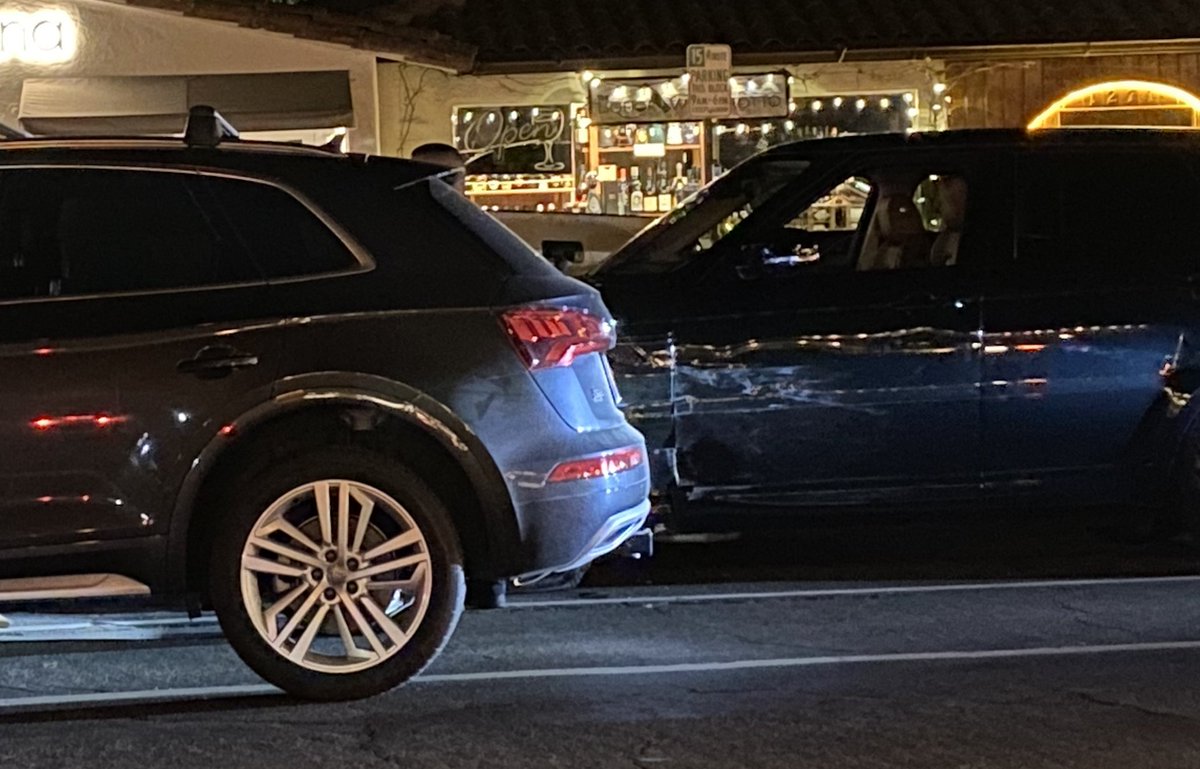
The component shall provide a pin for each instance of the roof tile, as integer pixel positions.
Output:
(515, 31)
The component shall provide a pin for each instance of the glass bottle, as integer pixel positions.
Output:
(636, 204)
(650, 201)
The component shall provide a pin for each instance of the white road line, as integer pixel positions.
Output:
(533, 603)
(248, 690)
(145, 695)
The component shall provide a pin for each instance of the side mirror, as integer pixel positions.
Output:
(561, 253)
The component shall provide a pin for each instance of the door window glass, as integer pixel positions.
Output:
(282, 235)
(93, 231)
(1114, 215)
(883, 219)
(839, 210)
(916, 223)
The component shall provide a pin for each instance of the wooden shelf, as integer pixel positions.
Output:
(559, 191)
(669, 147)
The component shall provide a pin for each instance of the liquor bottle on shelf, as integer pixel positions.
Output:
(622, 193)
(690, 133)
(678, 184)
(657, 134)
(642, 136)
(664, 187)
(650, 201)
(693, 182)
(675, 134)
(594, 204)
(636, 204)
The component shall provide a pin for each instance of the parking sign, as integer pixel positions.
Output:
(709, 68)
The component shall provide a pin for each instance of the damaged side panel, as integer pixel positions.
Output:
(809, 415)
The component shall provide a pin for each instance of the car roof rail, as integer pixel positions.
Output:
(206, 128)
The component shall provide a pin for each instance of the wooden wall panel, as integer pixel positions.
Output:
(1010, 94)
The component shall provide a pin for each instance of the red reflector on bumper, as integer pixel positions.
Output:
(599, 466)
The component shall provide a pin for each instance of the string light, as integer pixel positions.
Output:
(742, 128)
(513, 115)
(908, 98)
(913, 111)
(860, 105)
(791, 106)
(534, 112)
(817, 106)
(837, 102)
(885, 103)
(587, 76)
(594, 82)
(789, 125)
(939, 88)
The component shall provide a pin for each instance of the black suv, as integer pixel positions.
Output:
(316, 391)
(972, 321)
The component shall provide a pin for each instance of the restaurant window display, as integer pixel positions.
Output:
(518, 158)
(814, 117)
(634, 149)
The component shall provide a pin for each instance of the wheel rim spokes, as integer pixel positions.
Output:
(321, 564)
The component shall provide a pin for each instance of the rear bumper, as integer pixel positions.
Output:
(604, 540)
(566, 525)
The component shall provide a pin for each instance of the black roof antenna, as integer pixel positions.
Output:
(206, 127)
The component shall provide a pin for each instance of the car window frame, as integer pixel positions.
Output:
(970, 162)
(366, 262)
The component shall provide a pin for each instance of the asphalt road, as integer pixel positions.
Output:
(936, 654)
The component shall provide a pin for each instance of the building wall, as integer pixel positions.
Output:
(416, 103)
(118, 40)
(1006, 94)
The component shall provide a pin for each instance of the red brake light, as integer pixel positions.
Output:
(550, 337)
(602, 465)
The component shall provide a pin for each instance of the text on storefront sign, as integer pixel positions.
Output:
(40, 37)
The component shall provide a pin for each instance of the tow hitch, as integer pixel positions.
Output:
(639, 545)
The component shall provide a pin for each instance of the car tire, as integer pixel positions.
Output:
(263, 553)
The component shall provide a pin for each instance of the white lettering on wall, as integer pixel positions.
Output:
(39, 37)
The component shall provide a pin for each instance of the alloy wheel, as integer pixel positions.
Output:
(336, 576)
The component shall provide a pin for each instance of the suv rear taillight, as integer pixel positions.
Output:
(599, 466)
(552, 337)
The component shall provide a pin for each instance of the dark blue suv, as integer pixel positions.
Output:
(972, 321)
(319, 393)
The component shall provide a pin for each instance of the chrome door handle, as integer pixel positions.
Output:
(216, 361)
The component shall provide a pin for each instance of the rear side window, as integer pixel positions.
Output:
(283, 236)
(1124, 215)
(67, 232)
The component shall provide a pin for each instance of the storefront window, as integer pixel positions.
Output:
(518, 158)
(815, 118)
(633, 149)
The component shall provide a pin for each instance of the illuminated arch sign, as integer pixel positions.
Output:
(1122, 104)
(37, 37)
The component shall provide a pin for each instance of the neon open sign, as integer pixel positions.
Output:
(38, 37)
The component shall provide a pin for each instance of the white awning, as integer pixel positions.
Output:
(159, 105)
